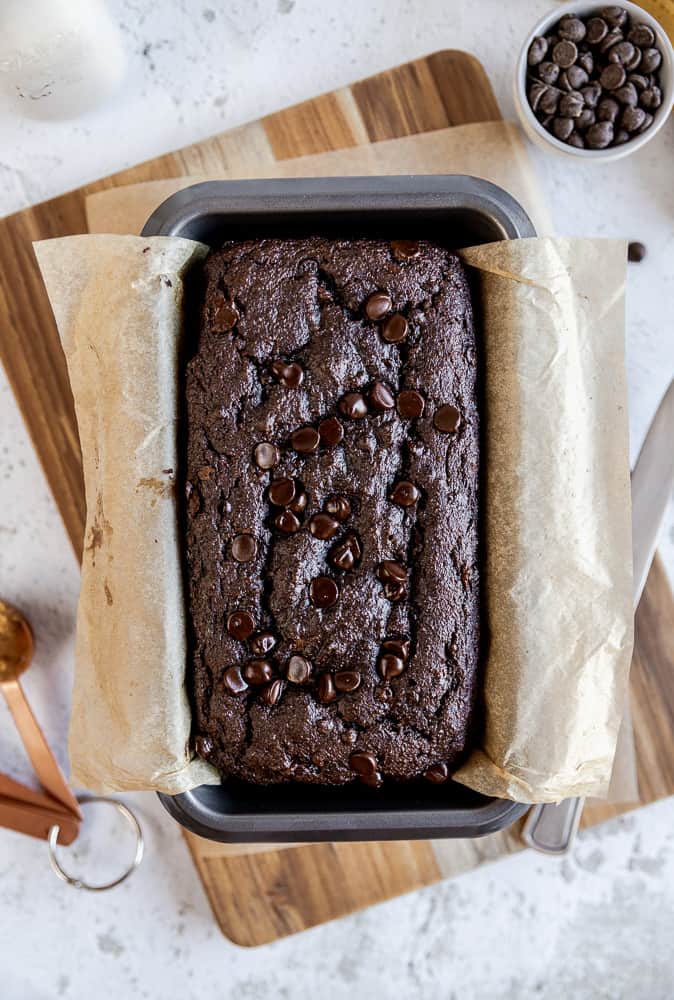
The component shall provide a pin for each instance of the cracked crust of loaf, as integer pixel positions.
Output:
(302, 300)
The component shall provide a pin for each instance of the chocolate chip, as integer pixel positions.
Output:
(549, 101)
(571, 104)
(282, 491)
(338, 506)
(331, 431)
(586, 62)
(571, 28)
(591, 94)
(613, 76)
(647, 122)
(562, 128)
(597, 30)
(636, 252)
(299, 503)
(641, 35)
(240, 624)
(620, 137)
(305, 440)
(651, 98)
(634, 62)
(576, 77)
(405, 493)
(394, 591)
(244, 548)
(607, 110)
(271, 694)
(627, 95)
(266, 455)
(632, 119)
(564, 54)
(614, 16)
(390, 571)
(537, 51)
(203, 746)
(363, 762)
(599, 136)
(614, 37)
(381, 397)
(548, 72)
(640, 82)
(398, 647)
(233, 681)
(289, 375)
(622, 53)
(437, 774)
(394, 329)
(447, 418)
(262, 643)
(323, 592)
(374, 780)
(353, 405)
(378, 305)
(298, 669)
(347, 680)
(390, 666)
(287, 522)
(345, 553)
(405, 249)
(650, 60)
(576, 139)
(258, 671)
(326, 689)
(410, 404)
(537, 92)
(586, 118)
(225, 317)
(323, 526)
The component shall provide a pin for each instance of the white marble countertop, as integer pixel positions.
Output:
(596, 924)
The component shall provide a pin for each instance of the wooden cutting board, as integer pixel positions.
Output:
(259, 897)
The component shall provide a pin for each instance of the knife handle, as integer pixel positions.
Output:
(551, 826)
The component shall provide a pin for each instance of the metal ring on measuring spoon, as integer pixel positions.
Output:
(77, 883)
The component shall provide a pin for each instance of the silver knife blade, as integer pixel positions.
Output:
(652, 484)
(551, 827)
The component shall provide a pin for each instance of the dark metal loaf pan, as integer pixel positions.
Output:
(453, 210)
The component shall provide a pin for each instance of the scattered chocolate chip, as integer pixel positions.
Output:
(240, 624)
(650, 60)
(390, 571)
(323, 526)
(353, 405)
(627, 95)
(262, 643)
(599, 136)
(571, 105)
(326, 689)
(636, 252)
(203, 746)
(641, 35)
(287, 522)
(381, 398)
(299, 503)
(410, 404)
(345, 553)
(323, 592)
(404, 493)
(338, 506)
(244, 548)
(347, 680)
(374, 780)
(282, 491)
(225, 317)
(548, 72)
(378, 305)
(405, 249)
(394, 591)
(305, 440)
(390, 666)
(562, 128)
(266, 455)
(597, 30)
(651, 98)
(271, 694)
(632, 119)
(613, 76)
(289, 375)
(331, 431)
(394, 329)
(607, 110)
(363, 762)
(437, 774)
(398, 647)
(298, 669)
(564, 54)
(233, 681)
(447, 418)
(258, 671)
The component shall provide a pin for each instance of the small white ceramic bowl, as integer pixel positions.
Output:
(533, 127)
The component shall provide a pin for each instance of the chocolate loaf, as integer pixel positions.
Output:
(332, 511)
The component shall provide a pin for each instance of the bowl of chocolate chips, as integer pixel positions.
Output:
(595, 81)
